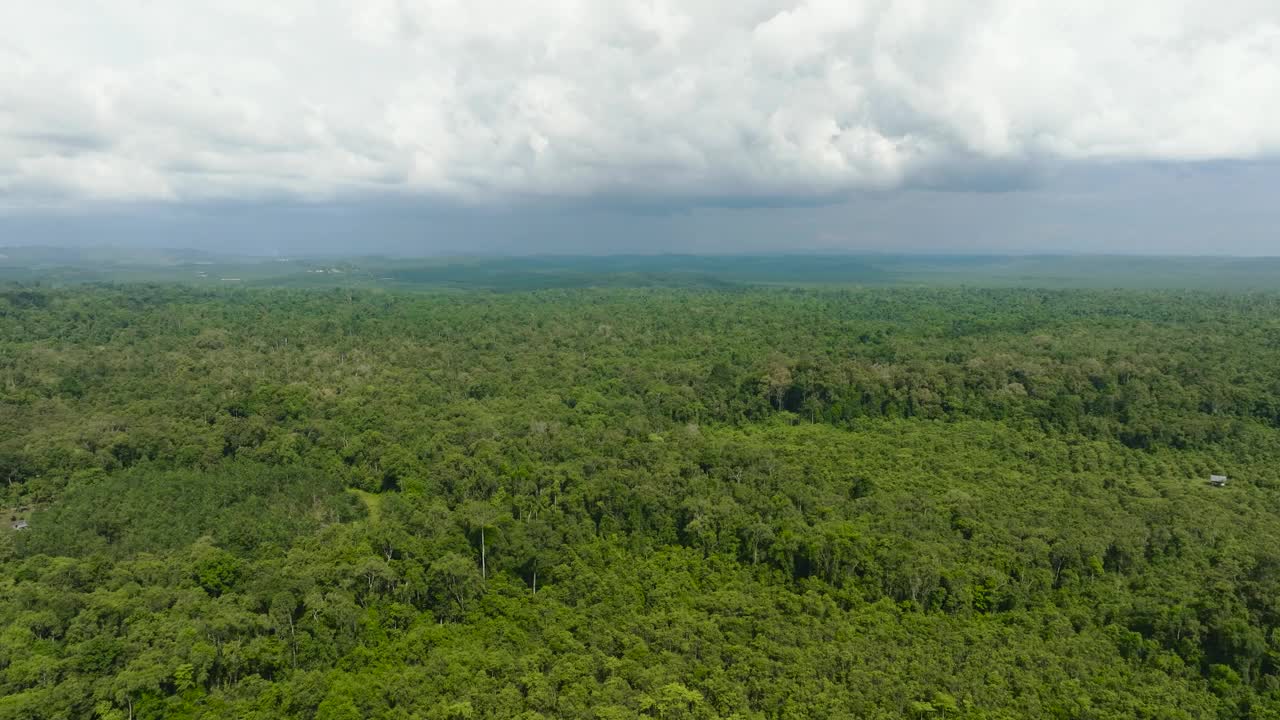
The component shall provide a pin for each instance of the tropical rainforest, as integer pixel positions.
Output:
(638, 502)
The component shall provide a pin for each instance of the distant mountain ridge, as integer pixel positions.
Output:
(113, 264)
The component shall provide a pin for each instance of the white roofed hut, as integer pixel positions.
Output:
(1218, 480)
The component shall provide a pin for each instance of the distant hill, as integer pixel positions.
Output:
(56, 266)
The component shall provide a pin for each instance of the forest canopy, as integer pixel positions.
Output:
(722, 502)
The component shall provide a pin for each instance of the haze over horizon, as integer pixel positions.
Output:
(434, 127)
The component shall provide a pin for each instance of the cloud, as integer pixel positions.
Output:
(648, 99)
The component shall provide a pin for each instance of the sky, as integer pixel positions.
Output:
(716, 126)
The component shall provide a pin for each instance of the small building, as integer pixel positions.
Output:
(19, 525)
(1218, 480)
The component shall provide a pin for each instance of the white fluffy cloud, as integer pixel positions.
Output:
(473, 99)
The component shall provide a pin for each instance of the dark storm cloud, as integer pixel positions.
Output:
(1114, 208)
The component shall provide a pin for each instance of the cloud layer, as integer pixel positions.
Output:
(698, 100)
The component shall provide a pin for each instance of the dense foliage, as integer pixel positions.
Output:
(631, 503)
